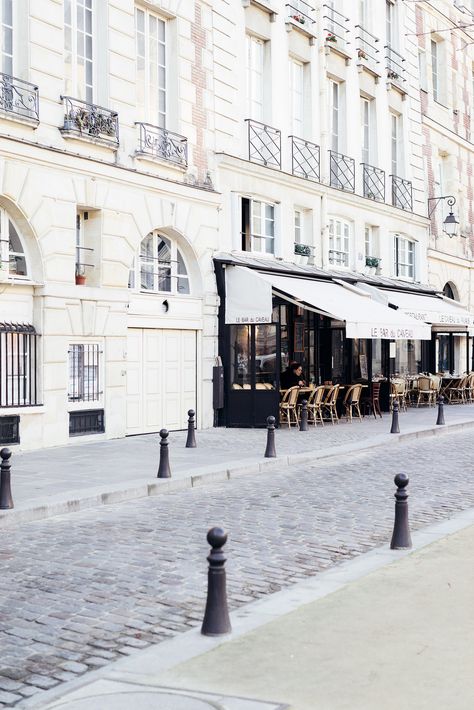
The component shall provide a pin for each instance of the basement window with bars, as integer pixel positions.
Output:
(18, 365)
(84, 372)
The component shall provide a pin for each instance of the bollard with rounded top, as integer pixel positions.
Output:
(440, 419)
(395, 426)
(6, 500)
(191, 440)
(304, 415)
(270, 452)
(164, 467)
(401, 538)
(216, 617)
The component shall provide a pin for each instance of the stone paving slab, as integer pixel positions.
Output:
(59, 480)
(110, 582)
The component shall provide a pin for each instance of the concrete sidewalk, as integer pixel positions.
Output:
(65, 479)
(387, 630)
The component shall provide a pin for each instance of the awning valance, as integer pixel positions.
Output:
(364, 317)
(436, 310)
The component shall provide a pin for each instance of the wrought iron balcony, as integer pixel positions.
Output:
(338, 257)
(89, 120)
(161, 143)
(373, 181)
(367, 51)
(402, 193)
(335, 28)
(302, 13)
(264, 144)
(19, 98)
(305, 158)
(394, 64)
(341, 171)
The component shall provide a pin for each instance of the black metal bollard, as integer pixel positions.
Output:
(304, 415)
(191, 440)
(164, 467)
(440, 419)
(270, 452)
(216, 617)
(395, 426)
(401, 538)
(6, 500)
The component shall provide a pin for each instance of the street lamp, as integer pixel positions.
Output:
(450, 224)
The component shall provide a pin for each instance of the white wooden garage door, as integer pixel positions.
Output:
(161, 379)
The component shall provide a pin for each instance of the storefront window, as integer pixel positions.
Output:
(408, 357)
(359, 360)
(460, 353)
(377, 372)
(240, 353)
(265, 356)
(284, 337)
(442, 352)
(337, 349)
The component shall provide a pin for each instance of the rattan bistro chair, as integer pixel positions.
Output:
(351, 402)
(426, 391)
(329, 404)
(288, 406)
(315, 402)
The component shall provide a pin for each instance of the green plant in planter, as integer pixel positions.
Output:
(298, 18)
(372, 261)
(302, 250)
(331, 38)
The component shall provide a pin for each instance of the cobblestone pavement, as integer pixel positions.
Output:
(84, 589)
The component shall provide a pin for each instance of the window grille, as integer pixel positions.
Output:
(10, 430)
(18, 365)
(86, 421)
(84, 372)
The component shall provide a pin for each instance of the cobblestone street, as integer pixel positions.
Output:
(81, 590)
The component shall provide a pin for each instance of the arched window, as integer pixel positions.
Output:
(160, 268)
(448, 291)
(11, 249)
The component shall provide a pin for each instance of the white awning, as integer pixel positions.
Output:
(436, 310)
(364, 317)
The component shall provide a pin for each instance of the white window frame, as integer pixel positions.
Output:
(255, 63)
(9, 256)
(297, 70)
(339, 242)
(154, 111)
(422, 69)
(335, 115)
(434, 46)
(85, 372)
(369, 240)
(7, 28)
(391, 24)
(149, 271)
(396, 144)
(366, 128)
(262, 227)
(298, 225)
(404, 258)
(75, 35)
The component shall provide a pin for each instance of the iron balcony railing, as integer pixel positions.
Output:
(19, 98)
(90, 120)
(336, 256)
(373, 182)
(19, 385)
(366, 48)
(394, 64)
(402, 193)
(335, 28)
(161, 143)
(305, 158)
(264, 144)
(341, 171)
(301, 12)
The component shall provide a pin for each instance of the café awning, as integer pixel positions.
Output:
(435, 310)
(249, 300)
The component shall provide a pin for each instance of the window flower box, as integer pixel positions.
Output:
(393, 75)
(298, 18)
(361, 54)
(302, 250)
(331, 38)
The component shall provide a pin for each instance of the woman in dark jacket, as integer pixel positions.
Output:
(292, 376)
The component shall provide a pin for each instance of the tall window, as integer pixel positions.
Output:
(335, 115)
(12, 255)
(339, 242)
(391, 23)
(297, 97)
(298, 224)
(364, 14)
(422, 69)
(78, 41)
(366, 128)
(255, 56)
(369, 242)
(404, 258)
(435, 69)
(161, 267)
(84, 372)
(151, 67)
(396, 144)
(258, 226)
(6, 18)
(18, 365)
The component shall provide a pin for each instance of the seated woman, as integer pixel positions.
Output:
(292, 376)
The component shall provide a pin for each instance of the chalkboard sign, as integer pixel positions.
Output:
(364, 373)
